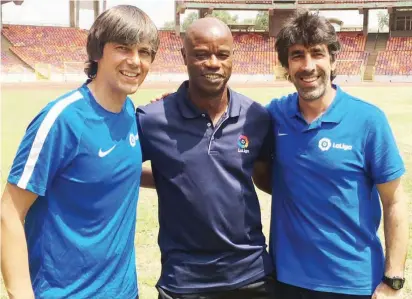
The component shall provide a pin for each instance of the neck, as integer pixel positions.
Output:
(214, 105)
(312, 110)
(107, 97)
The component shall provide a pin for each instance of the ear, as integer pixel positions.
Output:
(183, 52)
(287, 76)
(333, 65)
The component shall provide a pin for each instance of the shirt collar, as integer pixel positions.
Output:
(335, 111)
(189, 110)
(333, 114)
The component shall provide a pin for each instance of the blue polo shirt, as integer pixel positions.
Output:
(210, 232)
(326, 211)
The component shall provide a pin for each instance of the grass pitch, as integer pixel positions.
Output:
(19, 105)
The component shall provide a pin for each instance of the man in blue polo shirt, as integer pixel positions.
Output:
(204, 142)
(68, 212)
(335, 157)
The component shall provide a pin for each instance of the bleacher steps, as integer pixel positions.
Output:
(375, 43)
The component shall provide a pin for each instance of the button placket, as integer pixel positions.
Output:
(212, 138)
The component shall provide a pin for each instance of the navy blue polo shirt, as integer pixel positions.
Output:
(326, 209)
(210, 232)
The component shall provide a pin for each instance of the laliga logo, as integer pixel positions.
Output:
(325, 144)
(243, 143)
(133, 139)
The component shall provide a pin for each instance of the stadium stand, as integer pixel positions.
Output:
(169, 58)
(254, 51)
(352, 56)
(399, 44)
(168, 61)
(10, 63)
(231, 1)
(22, 35)
(352, 41)
(351, 63)
(55, 56)
(253, 42)
(48, 45)
(394, 63)
(396, 60)
(331, 2)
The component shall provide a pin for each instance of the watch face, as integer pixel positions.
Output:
(397, 284)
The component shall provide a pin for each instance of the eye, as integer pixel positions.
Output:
(122, 48)
(223, 55)
(201, 55)
(145, 52)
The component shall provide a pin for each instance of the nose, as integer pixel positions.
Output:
(213, 62)
(309, 64)
(134, 58)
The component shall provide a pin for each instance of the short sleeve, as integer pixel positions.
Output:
(383, 160)
(143, 142)
(46, 148)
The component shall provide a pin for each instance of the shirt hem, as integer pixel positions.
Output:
(215, 289)
(14, 180)
(390, 177)
(329, 288)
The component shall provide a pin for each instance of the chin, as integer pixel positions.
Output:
(133, 90)
(130, 89)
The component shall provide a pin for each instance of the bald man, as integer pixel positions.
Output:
(205, 142)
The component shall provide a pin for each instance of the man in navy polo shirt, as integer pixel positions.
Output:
(204, 142)
(335, 157)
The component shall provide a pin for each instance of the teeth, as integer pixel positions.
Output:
(309, 80)
(212, 76)
(128, 74)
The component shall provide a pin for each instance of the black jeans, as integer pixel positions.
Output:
(261, 289)
(287, 291)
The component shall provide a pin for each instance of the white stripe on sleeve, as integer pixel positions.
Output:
(41, 136)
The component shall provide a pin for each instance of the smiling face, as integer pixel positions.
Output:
(309, 69)
(208, 54)
(124, 67)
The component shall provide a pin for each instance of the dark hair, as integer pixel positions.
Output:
(123, 24)
(307, 29)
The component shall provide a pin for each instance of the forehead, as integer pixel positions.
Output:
(310, 48)
(140, 45)
(211, 36)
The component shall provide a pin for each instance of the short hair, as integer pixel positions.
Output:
(307, 29)
(123, 24)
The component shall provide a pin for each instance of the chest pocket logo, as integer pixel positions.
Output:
(133, 139)
(243, 144)
(324, 144)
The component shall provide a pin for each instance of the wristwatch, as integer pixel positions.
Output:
(395, 282)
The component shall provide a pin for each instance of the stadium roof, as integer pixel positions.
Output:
(17, 2)
(291, 4)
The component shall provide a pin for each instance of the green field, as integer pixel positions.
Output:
(19, 105)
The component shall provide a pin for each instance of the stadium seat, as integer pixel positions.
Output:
(254, 52)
